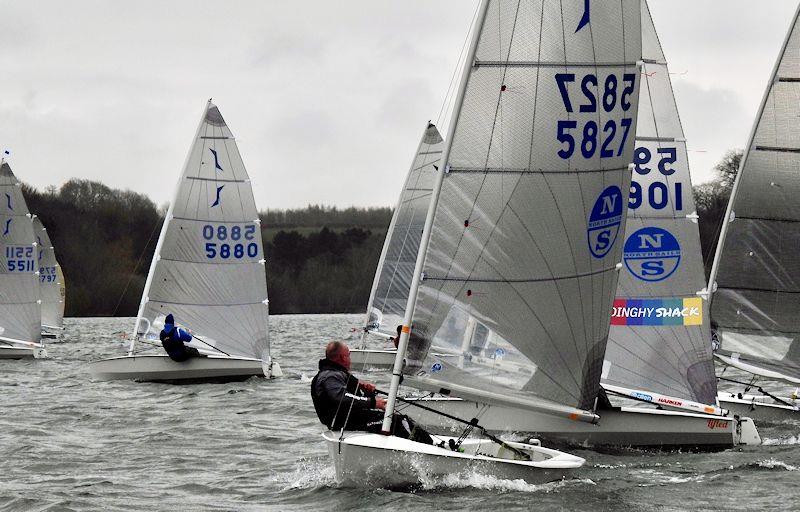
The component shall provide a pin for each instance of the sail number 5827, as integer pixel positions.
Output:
(589, 137)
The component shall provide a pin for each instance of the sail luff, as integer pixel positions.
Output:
(161, 236)
(426, 231)
(389, 280)
(711, 287)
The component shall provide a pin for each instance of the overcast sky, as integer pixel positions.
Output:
(327, 99)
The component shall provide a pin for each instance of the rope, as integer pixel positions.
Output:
(133, 272)
(473, 424)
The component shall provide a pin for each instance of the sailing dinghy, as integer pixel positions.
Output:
(387, 301)
(20, 309)
(666, 365)
(755, 278)
(521, 232)
(659, 351)
(51, 284)
(208, 271)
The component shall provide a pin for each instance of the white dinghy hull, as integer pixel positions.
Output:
(363, 359)
(22, 352)
(618, 427)
(157, 368)
(374, 460)
(757, 408)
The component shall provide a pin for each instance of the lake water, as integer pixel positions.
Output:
(67, 443)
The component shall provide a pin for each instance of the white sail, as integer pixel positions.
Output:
(659, 339)
(20, 311)
(208, 270)
(756, 273)
(387, 302)
(527, 224)
(51, 284)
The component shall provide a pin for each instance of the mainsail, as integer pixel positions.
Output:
(659, 338)
(51, 283)
(387, 302)
(525, 225)
(756, 270)
(208, 269)
(20, 311)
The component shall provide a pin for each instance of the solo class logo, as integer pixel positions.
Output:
(652, 254)
(604, 221)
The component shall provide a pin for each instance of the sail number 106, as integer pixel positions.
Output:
(657, 194)
(230, 241)
(590, 138)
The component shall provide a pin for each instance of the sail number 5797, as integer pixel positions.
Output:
(588, 137)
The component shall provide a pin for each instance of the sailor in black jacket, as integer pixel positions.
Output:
(342, 401)
(338, 396)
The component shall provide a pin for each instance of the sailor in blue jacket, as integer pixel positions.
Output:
(173, 339)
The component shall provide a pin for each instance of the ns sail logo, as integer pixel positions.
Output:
(604, 221)
(652, 254)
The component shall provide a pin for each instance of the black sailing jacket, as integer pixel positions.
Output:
(334, 390)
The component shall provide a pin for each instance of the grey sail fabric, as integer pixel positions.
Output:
(20, 311)
(525, 236)
(210, 270)
(757, 299)
(387, 302)
(659, 338)
(51, 285)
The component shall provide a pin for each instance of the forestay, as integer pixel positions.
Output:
(209, 264)
(659, 339)
(527, 228)
(387, 302)
(20, 311)
(51, 285)
(757, 267)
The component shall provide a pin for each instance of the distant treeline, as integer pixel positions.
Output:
(321, 259)
(105, 239)
(330, 216)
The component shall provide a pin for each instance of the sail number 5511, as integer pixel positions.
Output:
(589, 138)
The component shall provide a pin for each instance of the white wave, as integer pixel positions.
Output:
(482, 481)
(776, 464)
(781, 440)
(308, 474)
(305, 378)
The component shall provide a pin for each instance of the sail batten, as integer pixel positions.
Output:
(209, 268)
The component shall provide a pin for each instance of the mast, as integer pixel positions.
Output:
(711, 287)
(426, 232)
(161, 237)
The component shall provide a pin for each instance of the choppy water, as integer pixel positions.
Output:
(67, 443)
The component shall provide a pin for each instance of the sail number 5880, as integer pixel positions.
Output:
(224, 241)
(589, 137)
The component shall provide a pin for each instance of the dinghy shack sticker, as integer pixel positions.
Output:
(604, 221)
(652, 254)
(687, 311)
